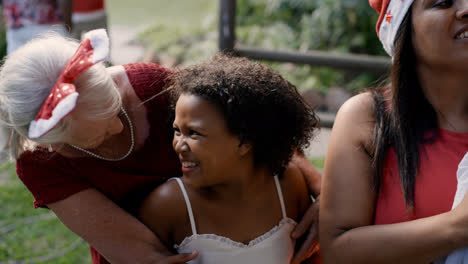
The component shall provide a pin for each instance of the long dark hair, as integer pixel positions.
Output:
(407, 120)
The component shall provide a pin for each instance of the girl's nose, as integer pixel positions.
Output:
(179, 144)
(462, 12)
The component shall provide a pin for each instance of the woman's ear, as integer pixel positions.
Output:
(244, 148)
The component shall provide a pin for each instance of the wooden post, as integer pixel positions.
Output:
(227, 21)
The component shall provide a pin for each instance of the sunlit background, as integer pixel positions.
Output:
(182, 32)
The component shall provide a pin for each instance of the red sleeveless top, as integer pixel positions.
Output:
(436, 181)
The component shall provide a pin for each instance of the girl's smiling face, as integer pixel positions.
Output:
(440, 32)
(208, 151)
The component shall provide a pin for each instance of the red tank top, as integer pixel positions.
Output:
(436, 181)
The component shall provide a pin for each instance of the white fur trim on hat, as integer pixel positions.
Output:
(62, 109)
(396, 12)
(100, 43)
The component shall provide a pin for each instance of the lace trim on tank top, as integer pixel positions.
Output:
(225, 240)
(230, 242)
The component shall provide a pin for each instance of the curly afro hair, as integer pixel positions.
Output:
(259, 106)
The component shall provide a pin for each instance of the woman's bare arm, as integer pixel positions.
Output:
(114, 233)
(348, 201)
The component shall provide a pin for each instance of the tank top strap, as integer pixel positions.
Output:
(187, 202)
(280, 196)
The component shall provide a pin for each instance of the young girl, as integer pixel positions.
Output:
(237, 124)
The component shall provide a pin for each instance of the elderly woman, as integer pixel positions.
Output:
(91, 143)
(390, 173)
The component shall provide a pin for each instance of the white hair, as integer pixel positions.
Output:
(26, 79)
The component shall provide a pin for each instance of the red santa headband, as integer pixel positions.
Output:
(62, 99)
(392, 13)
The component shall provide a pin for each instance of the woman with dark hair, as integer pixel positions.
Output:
(390, 172)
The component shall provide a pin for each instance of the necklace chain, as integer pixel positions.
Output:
(113, 159)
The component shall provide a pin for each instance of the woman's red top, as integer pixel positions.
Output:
(436, 181)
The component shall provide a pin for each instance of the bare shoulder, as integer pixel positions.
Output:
(355, 120)
(164, 210)
(165, 201)
(360, 102)
(295, 191)
(359, 108)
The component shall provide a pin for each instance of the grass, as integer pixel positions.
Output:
(33, 236)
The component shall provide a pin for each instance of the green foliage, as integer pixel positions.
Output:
(318, 163)
(190, 38)
(343, 26)
(346, 26)
(188, 44)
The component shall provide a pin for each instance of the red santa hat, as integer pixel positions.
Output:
(392, 13)
(63, 96)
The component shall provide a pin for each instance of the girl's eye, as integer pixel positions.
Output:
(176, 130)
(443, 4)
(194, 133)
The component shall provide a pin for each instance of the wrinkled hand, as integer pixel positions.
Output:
(177, 259)
(307, 227)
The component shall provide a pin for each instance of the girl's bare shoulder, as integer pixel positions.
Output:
(296, 192)
(164, 211)
(166, 201)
